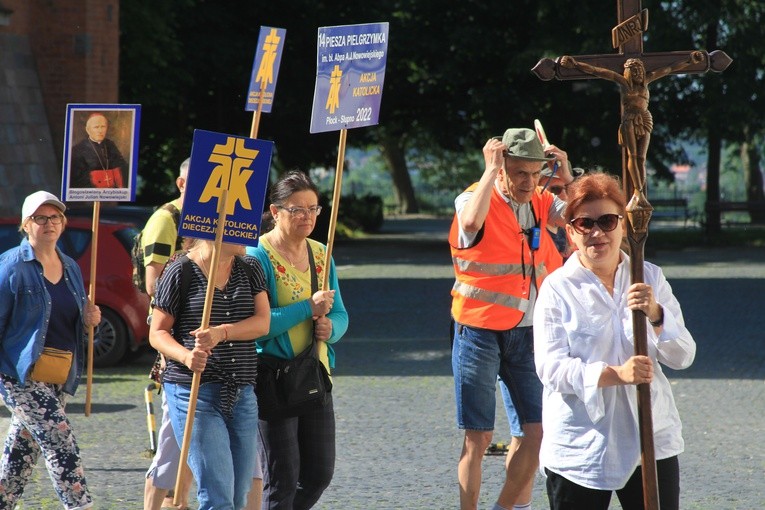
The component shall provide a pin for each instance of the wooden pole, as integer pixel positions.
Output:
(256, 116)
(639, 215)
(335, 206)
(196, 379)
(92, 301)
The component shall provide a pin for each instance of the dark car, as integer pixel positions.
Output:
(123, 327)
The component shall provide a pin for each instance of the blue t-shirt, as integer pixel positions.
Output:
(64, 315)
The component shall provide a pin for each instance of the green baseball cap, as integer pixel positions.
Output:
(523, 144)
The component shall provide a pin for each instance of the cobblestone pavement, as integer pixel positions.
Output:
(398, 443)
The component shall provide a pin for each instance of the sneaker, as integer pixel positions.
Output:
(497, 449)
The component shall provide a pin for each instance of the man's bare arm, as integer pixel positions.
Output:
(153, 270)
(477, 208)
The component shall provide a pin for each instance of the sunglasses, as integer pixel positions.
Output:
(606, 223)
(556, 190)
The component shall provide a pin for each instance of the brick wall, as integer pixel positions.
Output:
(68, 50)
(76, 43)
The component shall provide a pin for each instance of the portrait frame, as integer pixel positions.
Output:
(104, 170)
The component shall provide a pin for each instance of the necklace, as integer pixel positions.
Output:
(106, 155)
(283, 253)
(299, 261)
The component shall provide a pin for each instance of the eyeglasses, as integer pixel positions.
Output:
(606, 223)
(556, 190)
(314, 210)
(41, 219)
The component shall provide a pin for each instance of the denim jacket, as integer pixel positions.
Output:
(25, 307)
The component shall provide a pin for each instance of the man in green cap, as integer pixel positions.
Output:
(500, 258)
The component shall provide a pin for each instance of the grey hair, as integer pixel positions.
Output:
(184, 173)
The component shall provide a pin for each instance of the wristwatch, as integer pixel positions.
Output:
(659, 322)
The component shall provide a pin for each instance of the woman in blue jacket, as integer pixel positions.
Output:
(43, 315)
(298, 454)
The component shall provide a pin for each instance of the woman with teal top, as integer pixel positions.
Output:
(298, 454)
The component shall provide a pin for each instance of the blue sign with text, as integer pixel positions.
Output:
(226, 162)
(350, 71)
(265, 70)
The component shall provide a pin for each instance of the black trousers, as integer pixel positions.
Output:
(567, 495)
(298, 459)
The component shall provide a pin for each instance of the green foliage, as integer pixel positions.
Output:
(357, 215)
(455, 76)
(364, 212)
(732, 236)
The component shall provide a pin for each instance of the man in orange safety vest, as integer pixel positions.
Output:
(501, 254)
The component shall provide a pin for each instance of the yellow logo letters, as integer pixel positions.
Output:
(333, 98)
(232, 173)
(266, 71)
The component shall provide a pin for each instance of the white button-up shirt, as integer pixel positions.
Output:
(591, 434)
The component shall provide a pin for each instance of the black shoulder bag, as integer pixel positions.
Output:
(291, 387)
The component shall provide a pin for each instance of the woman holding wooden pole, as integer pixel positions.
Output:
(585, 357)
(223, 445)
(298, 456)
(43, 315)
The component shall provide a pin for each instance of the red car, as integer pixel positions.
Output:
(124, 308)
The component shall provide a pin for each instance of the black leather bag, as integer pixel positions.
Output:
(290, 387)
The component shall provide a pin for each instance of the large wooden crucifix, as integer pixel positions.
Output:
(632, 70)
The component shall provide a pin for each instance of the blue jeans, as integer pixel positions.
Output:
(512, 415)
(223, 449)
(478, 357)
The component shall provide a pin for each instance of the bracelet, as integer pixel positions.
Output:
(660, 321)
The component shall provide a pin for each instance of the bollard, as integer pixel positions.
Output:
(150, 422)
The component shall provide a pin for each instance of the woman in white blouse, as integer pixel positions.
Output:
(584, 354)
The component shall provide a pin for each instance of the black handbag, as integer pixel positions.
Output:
(290, 387)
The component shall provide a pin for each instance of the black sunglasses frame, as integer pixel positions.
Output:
(55, 219)
(585, 225)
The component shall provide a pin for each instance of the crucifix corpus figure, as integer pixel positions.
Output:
(637, 122)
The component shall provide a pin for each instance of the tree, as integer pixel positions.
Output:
(188, 63)
(751, 159)
(447, 89)
(454, 78)
(720, 108)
